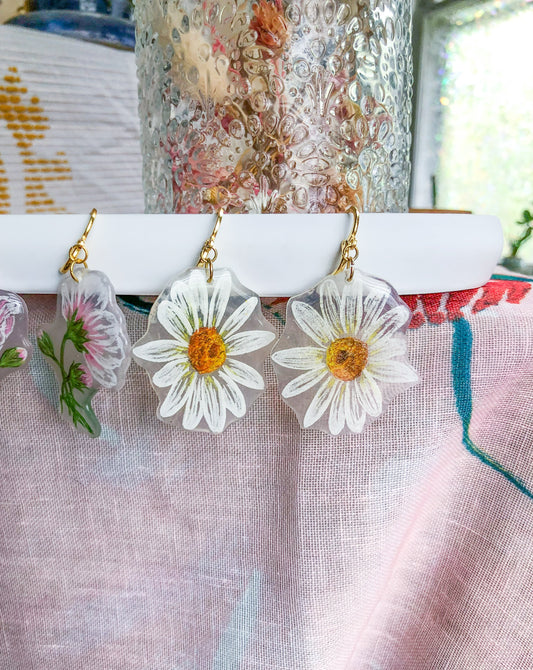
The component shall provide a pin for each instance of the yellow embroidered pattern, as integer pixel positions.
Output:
(25, 119)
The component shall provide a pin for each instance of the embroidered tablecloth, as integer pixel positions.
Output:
(69, 130)
(409, 547)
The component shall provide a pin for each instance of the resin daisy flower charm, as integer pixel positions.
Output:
(15, 349)
(342, 355)
(204, 350)
(87, 346)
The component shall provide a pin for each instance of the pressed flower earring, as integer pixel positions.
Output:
(87, 345)
(15, 349)
(205, 346)
(343, 354)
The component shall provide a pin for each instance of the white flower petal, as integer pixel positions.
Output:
(300, 358)
(320, 402)
(214, 407)
(7, 326)
(181, 296)
(160, 351)
(351, 307)
(109, 357)
(102, 327)
(369, 394)
(303, 383)
(312, 323)
(330, 305)
(373, 306)
(219, 299)
(171, 373)
(175, 321)
(393, 372)
(177, 396)
(247, 341)
(177, 290)
(198, 293)
(239, 317)
(10, 306)
(355, 415)
(336, 412)
(385, 348)
(105, 377)
(92, 289)
(233, 397)
(195, 405)
(386, 325)
(242, 374)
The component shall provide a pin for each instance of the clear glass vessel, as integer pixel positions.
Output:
(275, 105)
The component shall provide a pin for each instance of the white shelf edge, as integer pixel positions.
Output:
(273, 254)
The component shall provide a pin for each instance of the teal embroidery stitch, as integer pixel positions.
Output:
(269, 307)
(462, 387)
(529, 280)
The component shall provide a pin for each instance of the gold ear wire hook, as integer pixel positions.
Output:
(209, 254)
(88, 227)
(75, 250)
(349, 250)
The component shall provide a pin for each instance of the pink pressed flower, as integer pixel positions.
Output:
(86, 377)
(22, 353)
(9, 307)
(104, 342)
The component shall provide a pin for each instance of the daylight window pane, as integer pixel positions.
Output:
(475, 118)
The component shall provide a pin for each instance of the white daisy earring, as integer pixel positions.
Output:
(343, 354)
(87, 345)
(205, 346)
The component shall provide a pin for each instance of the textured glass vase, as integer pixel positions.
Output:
(275, 105)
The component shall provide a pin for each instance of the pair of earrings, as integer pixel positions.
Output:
(342, 355)
(341, 358)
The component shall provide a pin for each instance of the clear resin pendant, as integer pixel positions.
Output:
(343, 353)
(204, 350)
(87, 346)
(15, 349)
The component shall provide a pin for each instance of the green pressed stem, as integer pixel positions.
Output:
(75, 410)
(64, 386)
(62, 356)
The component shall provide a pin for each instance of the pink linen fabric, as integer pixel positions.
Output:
(409, 547)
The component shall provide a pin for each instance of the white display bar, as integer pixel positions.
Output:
(273, 254)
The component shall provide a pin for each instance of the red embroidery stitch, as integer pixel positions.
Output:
(429, 308)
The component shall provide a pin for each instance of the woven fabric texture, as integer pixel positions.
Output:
(409, 547)
(69, 130)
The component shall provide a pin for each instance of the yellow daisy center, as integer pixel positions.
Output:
(346, 358)
(207, 351)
